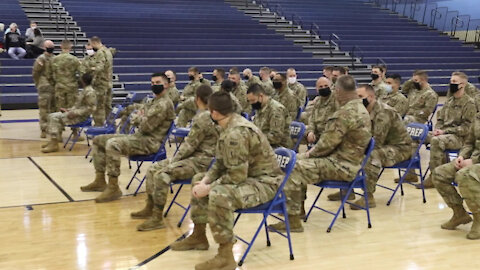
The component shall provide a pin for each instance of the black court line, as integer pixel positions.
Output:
(156, 255)
(52, 181)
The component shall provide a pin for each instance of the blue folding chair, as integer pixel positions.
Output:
(286, 160)
(430, 119)
(80, 126)
(418, 132)
(108, 128)
(299, 113)
(161, 154)
(245, 115)
(358, 182)
(129, 99)
(297, 131)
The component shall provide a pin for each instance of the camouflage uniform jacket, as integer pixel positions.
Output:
(397, 101)
(85, 104)
(421, 103)
(268, 86)
(323, 109)
(388, 127)
(380, 89)
(471, 147)
(42, 71)
(65, 68)
(456, 116)
(190, 88)
(173, 94)
(299, 91)
(274, 121)
(253, 80)
(288, 99)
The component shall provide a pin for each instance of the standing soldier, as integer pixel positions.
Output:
(43, 78)
(245, 174)
(298, 89)
(394, 98)
(66, 68)
(194, 156)
(285, 96)
(84, 106)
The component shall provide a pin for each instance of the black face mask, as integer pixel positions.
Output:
(246, 77)
(324, 92)
(213, 120)
(374, 76)
(214, 78)
(454, 88)
(50, 50)
(271, 78)
(257, 105)
(157, 88)
(417, 85)
(95, 50)
(201, 79)
(190, 77)
(365, 102)
(234, 84)
(277, 85)
(168, 80)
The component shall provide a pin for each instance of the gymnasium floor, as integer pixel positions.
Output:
(46, 222)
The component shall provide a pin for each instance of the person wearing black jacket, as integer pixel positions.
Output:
(14, 43)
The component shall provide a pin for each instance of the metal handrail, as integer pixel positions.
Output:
(352, 54)
(299, 21)
(314, 32)
(477, 35)
(50, 7)
(331, 42)
(413, 9)
(74, 42)
(457, 22)
(433, 16)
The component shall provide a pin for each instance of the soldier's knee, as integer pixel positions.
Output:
(461, 175)
(437, 143)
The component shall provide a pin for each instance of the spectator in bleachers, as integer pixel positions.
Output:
(14, 43)
(327, 72)
(10, 29)
(285, 96)
(394, 98)
(218, 77)
(298, 89)
(172, 90)
(250, 78)
(271, 117)
(35, 47)
(264, 74)
(30, 33)
(377, 82)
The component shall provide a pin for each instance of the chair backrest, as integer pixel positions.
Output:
(418, 132)
(286, 159)
(368, 152)
(306, 102)
(430, 118)
(245, 115)
(110, 121)
(297, 131)
(165, 139)
(299, 113)
(129, 98)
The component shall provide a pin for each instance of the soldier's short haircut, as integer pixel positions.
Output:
(233, 69)
(174, 73)
(227, 86)
(220, 72)
(160, 74)
(381, 68)
(194, 70)
(66, 43)
(328, 68)
(256, 89)
(460, 74)
(346, 83)
(346, 69)
(221, 102)
(367, 87)
(234, 72)
(265, 69)
(203, 92)
(95, 39)
(421, 73)
(396, 77)
(87, 79)
(273, 70)
(282, 76)
(340, 69)
(291, 69)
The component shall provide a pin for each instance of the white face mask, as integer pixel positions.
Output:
(90, 52)
(292, 80)
(388, 88)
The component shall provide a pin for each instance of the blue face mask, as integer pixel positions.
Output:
(389, 89)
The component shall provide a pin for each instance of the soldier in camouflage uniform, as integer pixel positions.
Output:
(337, 71)
(218, 77)
(65, 68)
(153, 123)
(245, 174)
(239, 90)
(285, 96)
(271, 117)
(186, 109)
(84, 106)
(394, 98)
(377, 82)
(470, 89)
(250, 78)
(465, 171)
(337, 155)
(43, 78)
(228, 86)
(453, 123)
(172, 90)
(194, 156)
(392, 142)
(297, 88)
(125, 124)
(191, 87)
(327, 72)
(264, 75)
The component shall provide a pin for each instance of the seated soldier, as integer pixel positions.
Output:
(297, 88)
(172, 90)
(218, 76)
(394, 98)
(85, 105)
(464, 171)
(228, 86)
(337, 155)
(271, 117)
(239, 90)
(153, 123)
(377, 81)
(250, 78)
(245, 174)
(285, 96)
(194, 156)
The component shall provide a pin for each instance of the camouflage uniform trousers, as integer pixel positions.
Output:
(108, 149)
(108, 100)
(185, 116)
(438, 146)
(468, 180)
(311, 171)
(46, 105)
(65, 96)
(99, 113)
(161, 174)
(385, 156)
(57, 121)
(218, 208)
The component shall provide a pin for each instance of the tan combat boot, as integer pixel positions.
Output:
(52, 146)
(98, 184)
(460, 216)
(112, 192)
(43, 134)
(196, 241)
(223, 260)
(146, 212)
(336, 196)
(410, 178)
(155, 221)
(361, 202)
(427, 183)
(475, 230)
(295, 225)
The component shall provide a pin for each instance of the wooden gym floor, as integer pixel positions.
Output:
(46, 222)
